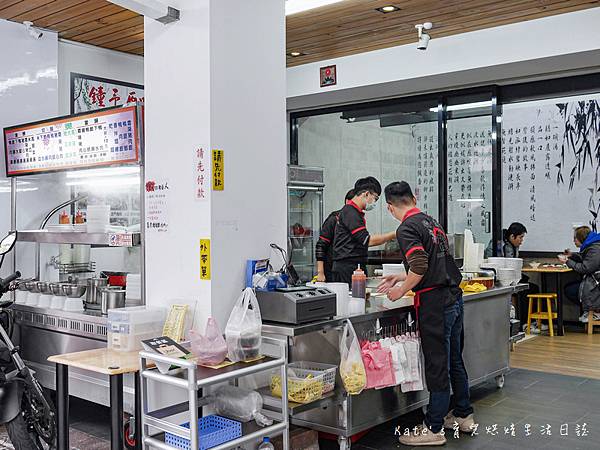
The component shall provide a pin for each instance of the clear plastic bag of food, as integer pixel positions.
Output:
(243, 330)
(210, 348)
(240, 404)
(352, 369)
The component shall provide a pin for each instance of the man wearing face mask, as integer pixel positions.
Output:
(435, 278)
(351, 239)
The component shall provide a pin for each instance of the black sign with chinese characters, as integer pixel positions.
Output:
(102, 138)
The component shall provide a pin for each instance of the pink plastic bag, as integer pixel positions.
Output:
(210, 348)
(378, 364)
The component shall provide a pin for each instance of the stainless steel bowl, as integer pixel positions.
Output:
(56, 289)
(73, 290)
(32, 286)
(43, 287)
(22, 286)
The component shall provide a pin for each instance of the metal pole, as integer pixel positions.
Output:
(62, 406)
(13, 223)
(193, 403)
(116, 412)
(138, 409)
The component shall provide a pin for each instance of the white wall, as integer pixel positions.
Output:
(248, 122)
(548, 47)
(28, 92)
(94, 61)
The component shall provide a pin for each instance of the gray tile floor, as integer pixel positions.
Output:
(528, 398)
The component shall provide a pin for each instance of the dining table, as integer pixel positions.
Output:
(556, 273)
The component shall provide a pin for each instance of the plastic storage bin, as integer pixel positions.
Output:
(128, 327)
(213, 431)
(307, 381)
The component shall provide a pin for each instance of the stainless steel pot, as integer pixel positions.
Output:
(43, 287)
(111, 298)
(93, 286)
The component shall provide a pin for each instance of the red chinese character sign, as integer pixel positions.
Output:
(202, 179)
(328, 76)
(90, 93)
(157, 205)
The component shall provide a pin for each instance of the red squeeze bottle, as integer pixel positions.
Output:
(359, 283)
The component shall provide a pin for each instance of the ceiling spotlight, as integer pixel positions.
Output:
(423, 36)
(295, 54)
(387, 9)
(33, 31)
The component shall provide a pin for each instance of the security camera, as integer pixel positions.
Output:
(33, 32)
(424, 37)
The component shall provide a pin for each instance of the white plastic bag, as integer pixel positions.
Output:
(240, 404)
(243, 330)
(210, 348)
(352, 369)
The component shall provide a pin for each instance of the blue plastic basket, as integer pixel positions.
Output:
(212, 430)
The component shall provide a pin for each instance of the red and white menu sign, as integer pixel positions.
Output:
(97, 139)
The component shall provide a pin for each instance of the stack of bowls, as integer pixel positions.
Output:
(74, 292)
(506, 277)
(517, 265)
(34, 295)
(98, 218)
(58, 298)
(45, 294)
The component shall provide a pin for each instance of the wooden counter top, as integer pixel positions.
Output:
(546, 270)
(102, 360)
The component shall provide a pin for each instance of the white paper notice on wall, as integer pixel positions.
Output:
(157, 205)
(202, 180)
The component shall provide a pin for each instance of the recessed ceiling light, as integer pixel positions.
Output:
(388, 9)
(295, 54)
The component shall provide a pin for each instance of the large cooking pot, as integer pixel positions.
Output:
(93, 285)
(111, 298)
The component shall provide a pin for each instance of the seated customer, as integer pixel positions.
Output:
(587, 264)
(512, 239)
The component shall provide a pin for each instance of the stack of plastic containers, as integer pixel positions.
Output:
(128, 327)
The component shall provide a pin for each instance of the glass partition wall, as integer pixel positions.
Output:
(443, 146)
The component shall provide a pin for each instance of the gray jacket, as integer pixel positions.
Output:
(587, 264)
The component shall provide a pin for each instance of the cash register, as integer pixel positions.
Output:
(297, 305)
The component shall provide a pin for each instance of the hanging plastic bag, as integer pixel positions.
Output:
(210, 348)
(240, 404)
(352, 369)
(243, 330)
(378, 365)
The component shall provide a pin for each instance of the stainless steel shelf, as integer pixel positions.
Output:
(295, 408)
(93, 239)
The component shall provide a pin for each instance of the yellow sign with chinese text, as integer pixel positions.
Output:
(218, 170)
(205, 259)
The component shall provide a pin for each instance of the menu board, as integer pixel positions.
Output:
(100, 138)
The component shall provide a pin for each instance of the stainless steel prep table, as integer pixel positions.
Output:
(486, 356)
(43, 332)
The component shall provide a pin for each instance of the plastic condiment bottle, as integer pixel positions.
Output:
(79, 217)
(359, 283)
(266, 445)
(64, 218)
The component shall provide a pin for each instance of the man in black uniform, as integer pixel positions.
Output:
(435, 278)
(324, 249)
(352, 240)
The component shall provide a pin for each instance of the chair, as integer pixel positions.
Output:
(592, 322)
(539, 314)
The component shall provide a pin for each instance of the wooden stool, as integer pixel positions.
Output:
(592, 322)
(539, 314)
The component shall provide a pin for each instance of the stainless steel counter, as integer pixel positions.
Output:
(486, 356)
(43, 332)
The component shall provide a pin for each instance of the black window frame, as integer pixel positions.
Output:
(500, 95)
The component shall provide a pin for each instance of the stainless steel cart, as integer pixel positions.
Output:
(193, 379)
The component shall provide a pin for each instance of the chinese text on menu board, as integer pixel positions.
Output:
(96, 139)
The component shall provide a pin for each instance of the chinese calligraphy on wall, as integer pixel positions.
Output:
(90, 93)
(157, 206)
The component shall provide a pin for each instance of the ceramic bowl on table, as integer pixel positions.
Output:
(534, 265)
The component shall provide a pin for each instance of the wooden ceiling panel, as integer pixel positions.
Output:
(340, 29)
